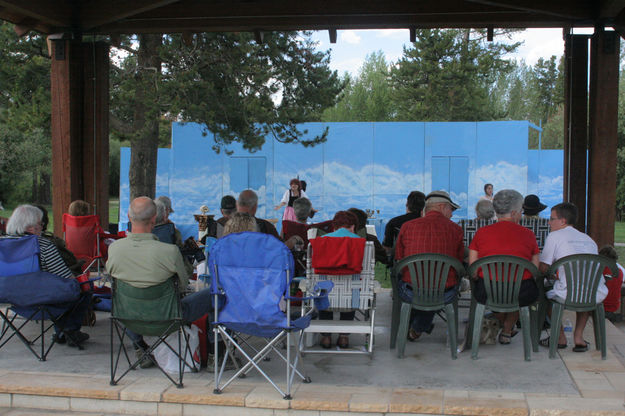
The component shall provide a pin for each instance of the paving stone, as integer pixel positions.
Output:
(323, 398)
(55, 385)
(145, 390)
(332, 413)
(113, 406)
(169, 409)
(295, 412)
(233, 395)
(366, 402)
(266, 397)
(40, 402)
(575, 407)
(617, 380)
(593, 384)
(199, 410)
(500, 395)
(416, 401)
(602, 394)
(493, 406)
(5, 400)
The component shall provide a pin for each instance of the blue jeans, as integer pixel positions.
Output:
(421, 321)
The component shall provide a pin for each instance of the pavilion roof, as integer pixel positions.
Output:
(171, 16)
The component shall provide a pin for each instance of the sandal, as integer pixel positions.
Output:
(413, 335)
(504, 338)
(545, 343)
(581, 348)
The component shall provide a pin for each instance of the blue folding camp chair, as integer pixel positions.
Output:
(32, 294)
(254, 272)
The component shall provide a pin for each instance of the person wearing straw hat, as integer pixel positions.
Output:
(435, 232)
(532, 207)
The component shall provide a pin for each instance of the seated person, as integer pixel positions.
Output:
(302, 208)
(240, 222)
(612, 302)
(166, 231)
(228, 207)
(361, 230)
(142, 261)
(80, 208)
(415, 202)
(484, 210)
(27, 220)
(344, 226)
(70, 260)
(532, 207)
(506, 236)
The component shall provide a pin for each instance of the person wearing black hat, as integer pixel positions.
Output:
(228, 207)
(532, 206)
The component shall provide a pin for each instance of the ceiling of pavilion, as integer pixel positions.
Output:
(169, 16)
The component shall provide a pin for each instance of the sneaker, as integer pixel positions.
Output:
(59, 339)
(75, 338)
(146, 360)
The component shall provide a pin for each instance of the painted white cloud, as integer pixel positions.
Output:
(350, 36)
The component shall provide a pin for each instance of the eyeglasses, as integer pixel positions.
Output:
(553, 219)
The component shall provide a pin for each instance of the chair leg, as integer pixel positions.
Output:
(556, 322)
(527, 332)
(477, 327)
(534, 327)
(469, 328)
(600, 335)
(395, 318)
(402, 332)
(452, 329)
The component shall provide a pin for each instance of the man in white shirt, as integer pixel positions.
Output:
(565, 240)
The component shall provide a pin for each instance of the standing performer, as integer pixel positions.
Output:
(295, 191)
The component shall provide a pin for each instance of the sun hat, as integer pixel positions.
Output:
(440, 196)
(532, 205)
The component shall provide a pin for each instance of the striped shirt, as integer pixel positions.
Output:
(50, 259)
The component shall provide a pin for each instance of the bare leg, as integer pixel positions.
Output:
(580, 324)
(561, 336)
(510, 319)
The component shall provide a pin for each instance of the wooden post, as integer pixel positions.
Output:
(80, 106)
(576, 123)
(603, 103)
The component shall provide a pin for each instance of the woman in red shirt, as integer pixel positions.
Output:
(507, 237)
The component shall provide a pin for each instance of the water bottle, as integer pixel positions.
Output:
(568, 331)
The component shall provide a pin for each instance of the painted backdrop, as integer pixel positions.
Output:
(364, 165)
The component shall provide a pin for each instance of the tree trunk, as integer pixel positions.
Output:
(144, 140)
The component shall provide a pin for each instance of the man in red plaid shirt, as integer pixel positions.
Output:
(433, 233)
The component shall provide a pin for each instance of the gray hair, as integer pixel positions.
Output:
(23, 217)
(506, 201)
(484, 209)
(141, 210)
(301, 208)
(248, 198)
(239, 222)
(161, 211)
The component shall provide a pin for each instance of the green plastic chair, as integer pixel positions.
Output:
(428, 273)
(502, 295)
(153, 311)
(583, 274)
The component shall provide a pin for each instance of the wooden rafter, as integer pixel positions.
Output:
(97, 13)
(57, 13)
(576, 10)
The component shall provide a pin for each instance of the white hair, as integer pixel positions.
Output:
(506, 201)
(23, 217)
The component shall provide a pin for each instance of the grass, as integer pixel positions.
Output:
(619, 232)
(383, 276)
(113, 212)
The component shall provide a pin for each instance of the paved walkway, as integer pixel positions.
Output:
(427, 381)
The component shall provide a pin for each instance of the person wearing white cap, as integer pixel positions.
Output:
(432, 233)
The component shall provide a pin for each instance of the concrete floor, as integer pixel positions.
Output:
(427, 363)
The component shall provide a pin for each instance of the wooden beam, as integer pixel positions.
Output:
(603, 103)
(611, 8)
(50, 13)
(576, 123)
(557, 8)
(96, 13)
(333, 35)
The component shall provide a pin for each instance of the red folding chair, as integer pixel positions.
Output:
(82, 237)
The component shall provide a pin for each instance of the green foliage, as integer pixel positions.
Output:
(24, 117)
(447, 75)
(368, 97)
(242, 91)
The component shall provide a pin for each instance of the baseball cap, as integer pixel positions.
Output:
(440, 196)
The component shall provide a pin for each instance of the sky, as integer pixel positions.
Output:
(352, 46)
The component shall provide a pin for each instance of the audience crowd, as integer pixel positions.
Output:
(154, 251)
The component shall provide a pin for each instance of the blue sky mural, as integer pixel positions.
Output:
(364, 165)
